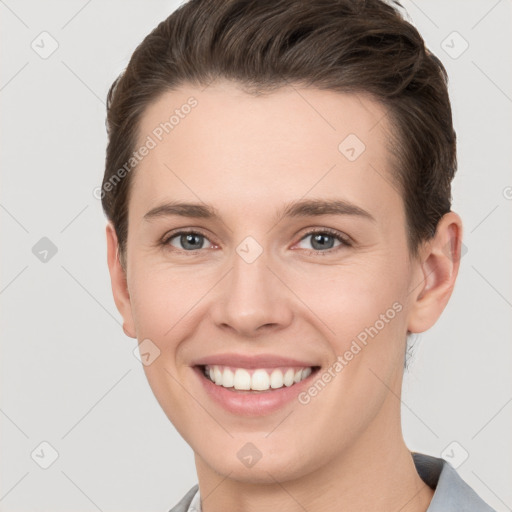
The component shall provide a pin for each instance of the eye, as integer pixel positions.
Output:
(186, 241)
(323, 240)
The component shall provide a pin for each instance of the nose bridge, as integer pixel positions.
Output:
(252, 296)
(250, 277)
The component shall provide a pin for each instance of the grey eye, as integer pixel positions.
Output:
(322, 241)
(187, 241)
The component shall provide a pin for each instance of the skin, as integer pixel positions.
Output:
(249, 156)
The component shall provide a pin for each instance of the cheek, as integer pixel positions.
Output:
(362, 313)
(350, 299)
(363, 317)
(163, 312)
(340, 300)
(162, 300)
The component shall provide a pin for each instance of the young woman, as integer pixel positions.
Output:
(277, 187)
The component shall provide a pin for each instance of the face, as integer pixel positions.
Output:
(297, 249)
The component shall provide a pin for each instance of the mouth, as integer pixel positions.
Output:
(255, 380)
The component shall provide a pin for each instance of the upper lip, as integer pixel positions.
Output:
(251, 362)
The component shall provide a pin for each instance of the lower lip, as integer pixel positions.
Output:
(249, 403)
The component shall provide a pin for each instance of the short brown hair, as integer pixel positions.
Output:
(354, 46)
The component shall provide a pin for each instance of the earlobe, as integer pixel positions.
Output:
(438, 267)
(119, 282)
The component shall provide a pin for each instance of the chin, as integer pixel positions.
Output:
(268, 469)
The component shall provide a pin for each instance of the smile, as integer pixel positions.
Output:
(261, 379)
(254, 392)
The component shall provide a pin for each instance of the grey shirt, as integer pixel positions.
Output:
(451, 493)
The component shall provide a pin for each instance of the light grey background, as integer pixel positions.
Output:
(68, 374)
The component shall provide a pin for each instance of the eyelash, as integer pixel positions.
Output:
(345, 241)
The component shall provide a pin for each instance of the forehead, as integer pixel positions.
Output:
(226, 146)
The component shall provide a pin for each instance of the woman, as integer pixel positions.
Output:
(277, 186)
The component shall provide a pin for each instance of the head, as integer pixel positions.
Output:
(316, 141)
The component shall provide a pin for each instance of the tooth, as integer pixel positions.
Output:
(242, 379)
(217, 375)
(288, 377)
(276, 379)
(260, 380)
(228, 378)
(306, 373)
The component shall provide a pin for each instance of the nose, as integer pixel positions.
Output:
(252, 298)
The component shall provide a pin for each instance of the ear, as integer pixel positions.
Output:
(438, 266)
(119, 282)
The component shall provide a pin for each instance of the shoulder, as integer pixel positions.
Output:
(184, 503)
(451, 492)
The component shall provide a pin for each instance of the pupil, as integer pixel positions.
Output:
(320, 238)
(187, 240)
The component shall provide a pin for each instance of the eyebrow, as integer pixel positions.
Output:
(301, 208)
